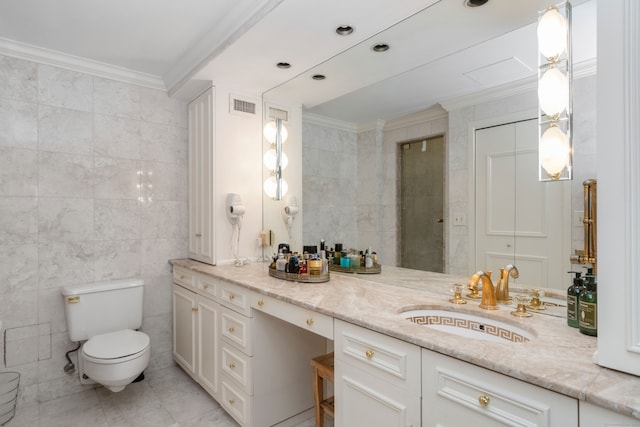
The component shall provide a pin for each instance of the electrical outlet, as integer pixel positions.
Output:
(578, 217)
(459, 219)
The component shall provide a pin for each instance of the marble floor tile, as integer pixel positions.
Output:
(166, 398)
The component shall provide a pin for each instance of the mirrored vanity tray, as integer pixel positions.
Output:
(302, 278)
(376, 269)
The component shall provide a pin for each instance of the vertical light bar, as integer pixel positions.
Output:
(555, 94)
(278, 159)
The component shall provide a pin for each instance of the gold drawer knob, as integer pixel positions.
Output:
(232, 365)
(484, 400)
(260, 303)
(205, 287)
(194, 309)
(183, 277)
(232, 401)
(309, 322)
(231, 296)
(369, 354)
(198, 234)
(232, 329)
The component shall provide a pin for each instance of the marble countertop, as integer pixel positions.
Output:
(560, 358)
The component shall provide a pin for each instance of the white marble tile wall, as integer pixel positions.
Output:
(329, 186)
(74, 149)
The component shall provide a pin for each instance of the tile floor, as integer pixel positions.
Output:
(166, 398)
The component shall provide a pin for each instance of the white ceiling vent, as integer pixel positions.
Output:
(242, 107)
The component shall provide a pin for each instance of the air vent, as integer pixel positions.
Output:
(240, 106)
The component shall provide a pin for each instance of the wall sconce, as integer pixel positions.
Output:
(555, 75)
(275, 159)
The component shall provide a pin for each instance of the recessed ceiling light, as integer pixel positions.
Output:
(344, 30)
(380, 47)
(318, 77)
(475, 3)
(283, 65)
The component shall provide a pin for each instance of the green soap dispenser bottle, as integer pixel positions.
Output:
(573, 295)
(588, 306)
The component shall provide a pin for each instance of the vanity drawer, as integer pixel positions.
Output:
(236, 329)
(235, 297)
(455, 391)
(183, 276)
(207, 285)
(317, 323)
(237, 366)
(393, 360)
(235, 401)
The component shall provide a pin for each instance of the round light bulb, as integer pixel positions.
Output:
(553, 92)
(270, 131)
(554, 151)
(271, 186)
(552, 34)
(270, 158)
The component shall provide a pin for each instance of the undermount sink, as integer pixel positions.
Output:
(468, 325)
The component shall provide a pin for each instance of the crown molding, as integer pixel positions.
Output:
(580, 70)
(319, 120)
(230, 30)
(435, 112)
(76, 63)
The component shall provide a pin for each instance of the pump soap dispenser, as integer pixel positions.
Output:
(588, 306)
(573, 295)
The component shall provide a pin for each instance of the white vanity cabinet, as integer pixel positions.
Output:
(265, 371)
(195, 327)
(377, 379)
(456, 393)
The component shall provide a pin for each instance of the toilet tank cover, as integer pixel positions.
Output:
(114, 345)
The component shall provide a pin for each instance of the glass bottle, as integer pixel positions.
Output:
(573, 295)
(588, 311)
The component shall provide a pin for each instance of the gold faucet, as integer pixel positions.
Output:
(472, 285)
(502, 288)
(488, 301)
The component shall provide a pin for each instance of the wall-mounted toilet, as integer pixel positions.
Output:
(104, 316)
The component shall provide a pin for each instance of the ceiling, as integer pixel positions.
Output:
(444, 50)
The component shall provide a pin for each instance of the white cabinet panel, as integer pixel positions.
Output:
(201, 179)
(377, 379)
(184, 328)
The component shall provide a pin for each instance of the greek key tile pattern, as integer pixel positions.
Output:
(469, 324)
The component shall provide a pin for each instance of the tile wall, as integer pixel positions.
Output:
(93, 187)
(330, 187)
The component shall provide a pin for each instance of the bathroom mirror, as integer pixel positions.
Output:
(369, 106)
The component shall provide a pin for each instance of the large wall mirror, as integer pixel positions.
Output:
(453, 74)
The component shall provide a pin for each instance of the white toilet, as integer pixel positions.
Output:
(105, 316)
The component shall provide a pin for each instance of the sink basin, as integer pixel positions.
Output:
(468, 325)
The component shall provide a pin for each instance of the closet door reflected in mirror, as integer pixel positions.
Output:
(519, 220)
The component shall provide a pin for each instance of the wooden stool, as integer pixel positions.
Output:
(322, 370)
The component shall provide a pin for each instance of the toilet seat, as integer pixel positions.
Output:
(116, 347)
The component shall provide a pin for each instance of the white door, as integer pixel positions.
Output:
(519, 220)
